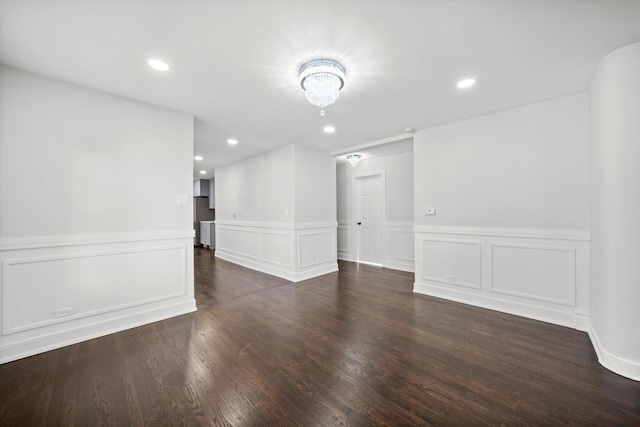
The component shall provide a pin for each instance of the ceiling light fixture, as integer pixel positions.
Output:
(157, 64)
(232, 141)
(329, 129)
(198, 158)
(203, 172)
(466, 83)
(354, 159)
(322, 79)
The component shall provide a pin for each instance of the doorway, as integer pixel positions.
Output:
(369, 212)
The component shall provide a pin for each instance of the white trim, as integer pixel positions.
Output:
(291, 269)
(26, 348)
(329, 267)
(572, 273)
(583, 322)
(299, 237)
(397, 138)
(355, 207)
(475, 243)
(507, 232)
(479, 300)
(15, 243)
(6, 330)
(621, 366)
(276, 225)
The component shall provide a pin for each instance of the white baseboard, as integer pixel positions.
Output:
(347, 257)
(478, 300)
(400, 266)
(315, 272)
(86, 332)
(620, 366)
(276, 271)
(254, 264)
(583, 322)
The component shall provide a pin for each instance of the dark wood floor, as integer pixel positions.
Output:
(350, 348)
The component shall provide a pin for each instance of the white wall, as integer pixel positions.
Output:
(285, 206)
(398, 208)
(511, 193)
(523, 168)
(88, 214)
(259, 189)
(615, 210)
(315, 185)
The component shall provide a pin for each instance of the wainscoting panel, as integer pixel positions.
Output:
(275, 248)
(399, 251)
(246, 242)
(316, 248)
(54, 293)
(540, 274)
(344, 241)
(225, 239)
(454, 262)
(292, 251)
(34, 290)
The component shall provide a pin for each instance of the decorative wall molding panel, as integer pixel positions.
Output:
(538, 274)
(447, 257)
(399, 253)
(293, 251)
(58, 292)
(346, 251)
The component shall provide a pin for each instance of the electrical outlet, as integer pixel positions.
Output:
(63, 312)
(450, 278)
(430, 211)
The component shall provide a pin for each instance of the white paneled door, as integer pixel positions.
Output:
(370, 218)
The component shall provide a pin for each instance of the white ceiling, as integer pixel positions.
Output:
(234, 63)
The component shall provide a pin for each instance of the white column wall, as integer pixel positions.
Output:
(276, 213)
(615, 210)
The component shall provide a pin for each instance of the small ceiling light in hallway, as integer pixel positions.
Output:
(322, 80)
(354, 159)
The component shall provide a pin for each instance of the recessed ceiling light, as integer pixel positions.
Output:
(329, 129)
(466, 83)
(198, 157)
(232, 141)
(157, 64)
(203, 172)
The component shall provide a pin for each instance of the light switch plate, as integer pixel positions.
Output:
(183, 199)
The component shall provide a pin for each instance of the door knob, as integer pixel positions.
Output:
(359, 223)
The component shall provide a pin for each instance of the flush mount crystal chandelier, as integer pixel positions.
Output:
(322, 79)
(354, 159)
